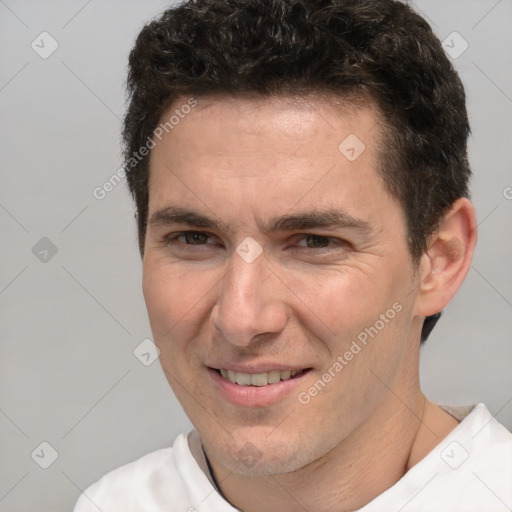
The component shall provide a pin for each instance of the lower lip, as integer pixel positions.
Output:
(255, 396)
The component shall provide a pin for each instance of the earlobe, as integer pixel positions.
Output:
(445, 264)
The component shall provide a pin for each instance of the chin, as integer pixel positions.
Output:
(259, 455)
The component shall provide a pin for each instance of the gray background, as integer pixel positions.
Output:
(69, 325)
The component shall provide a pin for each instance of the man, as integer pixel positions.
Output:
(300, 175)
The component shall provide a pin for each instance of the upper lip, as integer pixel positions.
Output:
(257, 368)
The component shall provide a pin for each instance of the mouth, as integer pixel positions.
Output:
(257, 385)
(259, 379)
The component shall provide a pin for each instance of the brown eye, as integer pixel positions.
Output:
(194, 237)
(316, 241)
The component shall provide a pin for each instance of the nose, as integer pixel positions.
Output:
(250, 302)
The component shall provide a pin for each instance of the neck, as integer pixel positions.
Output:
(372, 459)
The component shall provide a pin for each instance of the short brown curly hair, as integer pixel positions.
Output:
(378, 49)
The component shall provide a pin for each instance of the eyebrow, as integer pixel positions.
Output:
(177, 215)
(327, 219)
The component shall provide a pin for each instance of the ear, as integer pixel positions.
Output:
(446, 262)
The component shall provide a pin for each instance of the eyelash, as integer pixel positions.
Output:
(334, 242)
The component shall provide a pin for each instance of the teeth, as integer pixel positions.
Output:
(258, 379)
(243, 379)
(273, 376)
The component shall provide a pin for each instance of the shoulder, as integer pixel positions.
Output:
(483, 434)
(474, 465)
(144, 484)
(486, 445)
(468, 471)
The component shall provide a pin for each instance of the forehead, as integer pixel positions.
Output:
(237, 155)
(323, 121)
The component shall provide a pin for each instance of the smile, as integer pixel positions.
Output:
(258, 379)
(258, 389)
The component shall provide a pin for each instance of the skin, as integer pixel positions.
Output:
(302, 301)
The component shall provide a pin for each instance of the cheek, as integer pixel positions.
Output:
(174, 299)
(337, 305)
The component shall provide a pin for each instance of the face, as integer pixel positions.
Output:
(277, 277)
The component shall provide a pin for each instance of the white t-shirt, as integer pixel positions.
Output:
(469, 471)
